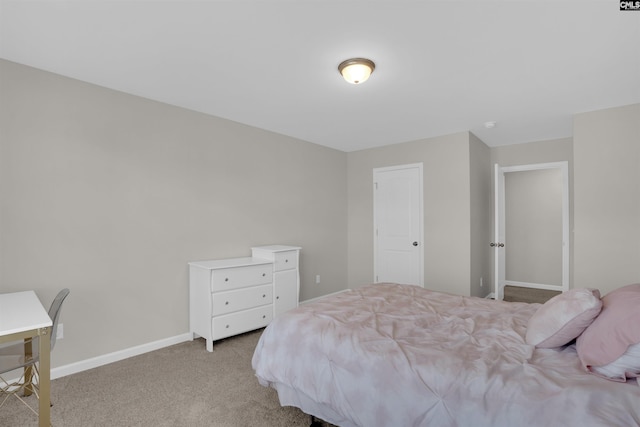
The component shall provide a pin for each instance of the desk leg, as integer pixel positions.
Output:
(28, 370)
(45, 377)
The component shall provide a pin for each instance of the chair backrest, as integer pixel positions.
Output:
(54, 313)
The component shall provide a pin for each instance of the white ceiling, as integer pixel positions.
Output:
(441, 66)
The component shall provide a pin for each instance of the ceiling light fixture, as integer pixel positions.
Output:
(356, 70)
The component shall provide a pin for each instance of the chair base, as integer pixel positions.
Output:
(21, 385)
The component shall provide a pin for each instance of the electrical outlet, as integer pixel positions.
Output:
(317, 279)
(60, 332)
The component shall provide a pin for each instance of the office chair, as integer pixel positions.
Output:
(14, 356)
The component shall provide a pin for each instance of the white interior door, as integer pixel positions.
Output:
(398, 218)
(499, 235)
(531, 240)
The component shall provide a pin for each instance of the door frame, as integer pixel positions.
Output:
(419, 166)
(499, 227)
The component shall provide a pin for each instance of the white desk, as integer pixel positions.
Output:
(23, 316)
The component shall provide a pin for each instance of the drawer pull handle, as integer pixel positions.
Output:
(264, 274)
(277, 297)
(226, 279)
(226, 303)
(264, 296)
(264, 316)
(286, 260)
(227, 326)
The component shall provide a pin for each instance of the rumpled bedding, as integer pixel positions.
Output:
(394, 355)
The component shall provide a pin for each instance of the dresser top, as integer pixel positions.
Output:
(277, 248)
(229, 262)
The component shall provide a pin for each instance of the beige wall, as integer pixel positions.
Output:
(447, 211)
(555, 150)
(111, 195)
(607, 198)
(533, 217)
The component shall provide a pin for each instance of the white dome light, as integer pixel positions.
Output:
(356, 70)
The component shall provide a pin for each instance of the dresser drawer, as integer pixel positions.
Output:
(285, 260)
(239, 277)
(242, 321)
(242, 299)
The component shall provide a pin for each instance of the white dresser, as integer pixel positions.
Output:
(286, 275)
(231, 296)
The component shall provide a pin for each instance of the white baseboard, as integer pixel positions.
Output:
(307, 301)
(491, 295)
(94, 362)
(105, 359)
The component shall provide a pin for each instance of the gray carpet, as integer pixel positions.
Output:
(530, 295)
(181, 385)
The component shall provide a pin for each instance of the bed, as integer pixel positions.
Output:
(400, 355)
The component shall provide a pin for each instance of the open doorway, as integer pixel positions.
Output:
(531, 242)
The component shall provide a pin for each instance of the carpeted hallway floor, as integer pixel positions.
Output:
(181, 385)
(530, 295)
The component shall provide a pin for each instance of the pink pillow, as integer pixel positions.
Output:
(626, 366)
(561, 319)
(614, 331)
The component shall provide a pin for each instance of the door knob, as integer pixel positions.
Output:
(415, 243)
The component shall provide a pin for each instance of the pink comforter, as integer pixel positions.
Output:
(398, 355)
